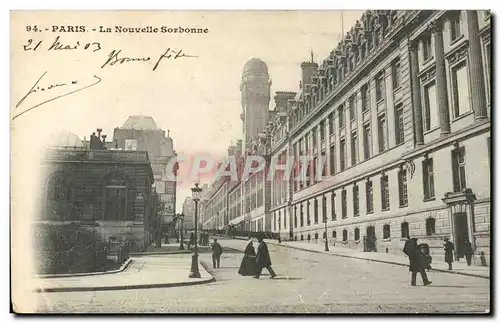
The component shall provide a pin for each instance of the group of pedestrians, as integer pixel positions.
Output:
(254, 262)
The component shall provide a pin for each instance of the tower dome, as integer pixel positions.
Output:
(255, 66)
(64, 139)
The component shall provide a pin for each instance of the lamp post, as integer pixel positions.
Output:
(195, 272)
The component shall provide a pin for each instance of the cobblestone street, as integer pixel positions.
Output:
(306, 283)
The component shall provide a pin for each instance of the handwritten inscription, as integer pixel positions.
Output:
(116, 57)
(57, 45)
(71, 85)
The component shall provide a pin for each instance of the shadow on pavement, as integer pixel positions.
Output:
(446, 286)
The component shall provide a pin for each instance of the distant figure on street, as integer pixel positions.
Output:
(448, 252)
(424, 249)
(166, 238)
(191, 240)
(263, 259)
(248, 264)
(418, 261)
(216, 252)
(468, 252)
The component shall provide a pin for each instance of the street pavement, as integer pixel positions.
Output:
(307, 282)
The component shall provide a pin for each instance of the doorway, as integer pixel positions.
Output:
(115, 204)
(461, 224)
(371, 239)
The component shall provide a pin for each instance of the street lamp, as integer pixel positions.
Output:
(195, 272)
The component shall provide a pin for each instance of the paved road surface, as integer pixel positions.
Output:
(306, 283)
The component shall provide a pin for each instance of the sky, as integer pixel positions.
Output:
(197, 99)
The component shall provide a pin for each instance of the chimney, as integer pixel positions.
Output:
(309, 69)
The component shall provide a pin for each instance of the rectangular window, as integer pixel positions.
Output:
(314, 170)
(427, 48)
(455, 26)
(331, 121)
(341, 116)
(332, 159)
(323, 209)
(343, 156)
(458, 169)
(355, 200)
(399, 126)
(396, 74)
(316, 216)
(334, 215)
(369, 197)
(384, 188)
(344, 204)
(379, 87)
(322, 130)
(460, 83)
(364, 98)
(403, 188)
(314, 134)
(352, 108)
(428, 172)
(308, 214)
(322, 164)
(382, 134)
(431, 112)
(354, 148)
(367, 141)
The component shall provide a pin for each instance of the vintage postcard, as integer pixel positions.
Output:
(251, 161)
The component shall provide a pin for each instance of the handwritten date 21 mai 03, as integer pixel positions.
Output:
(57, 45)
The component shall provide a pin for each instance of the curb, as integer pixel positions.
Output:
(177, 252)
(377, 260)
(122, 268)
(126, 287)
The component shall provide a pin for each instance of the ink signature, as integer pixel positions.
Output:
(36, 88)
(115, 58)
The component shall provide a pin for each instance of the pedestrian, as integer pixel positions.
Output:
(248, 264)
(448, 252)
(191, 240)
(263, 259)
(418, 261)
(468, 252)
(216, 252)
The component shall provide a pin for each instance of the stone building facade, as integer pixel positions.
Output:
(400, 110)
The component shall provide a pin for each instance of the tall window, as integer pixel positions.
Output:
(399, 125)
(379, 87)
(295, 216)
(301, 215)
(352, 108)
(323, 209)
(405, 230)
(367, 141)
(384, 187)
(331, 121)
(284, 218)
(356, 234)
(455, 26)
(427, 47)
(322, 164)
(355, 200)
(343, 156)
(344, 235)
(344, 204)
(461, 93)
(341, 116)
(364, 98)
(382, 134)
(315, 211)
(334, 215)
(354, 148)
(332, 159)
(396, 74)
(430, 226)
(308, 213)
(334, 234)
(322, 130)
(458, 169)
(431, 112)
(386, 231)
(369, 196)
(314, 134)
(403, 188)
(428, 172)
(306, 142)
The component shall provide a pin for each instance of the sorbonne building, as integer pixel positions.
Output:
(400, 110)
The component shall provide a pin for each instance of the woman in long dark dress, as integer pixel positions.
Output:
(248, 265)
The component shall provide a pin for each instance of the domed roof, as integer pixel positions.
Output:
(140, 123)
(255, 66)
(64, 139)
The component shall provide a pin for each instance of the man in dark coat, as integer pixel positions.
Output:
(448, 252)
(216, 253)
(418, 261)
(263, 259)
(468, 252)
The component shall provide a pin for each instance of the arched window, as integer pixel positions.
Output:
(55, 187)
(295, 238)
(387, 231)
(334, 234)
(405, 230)
(308, 237)
(301, 237)
(316, 236)
(356, 234)
(344, 235)
(430, 226)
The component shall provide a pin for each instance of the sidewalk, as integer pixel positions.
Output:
(167, 249)
(143, 272)
(460, 268)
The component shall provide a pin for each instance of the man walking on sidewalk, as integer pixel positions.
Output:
(418, 261)
(263, 259)
(216, 253)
